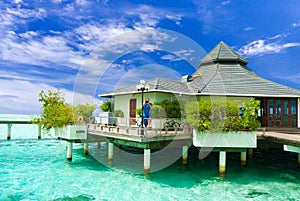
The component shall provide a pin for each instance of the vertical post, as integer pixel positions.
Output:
(69, 151)
(222, 163)
(98, 145)
(243, 159)
(39, 132)
(184, 155)
(147, 159)
(85, 148)
(250, 153)
(110, 152)
(9, 131)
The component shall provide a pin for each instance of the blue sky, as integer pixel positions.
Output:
(60, 43)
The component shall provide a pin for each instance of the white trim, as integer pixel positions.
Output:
(298, 112)
(204, 94)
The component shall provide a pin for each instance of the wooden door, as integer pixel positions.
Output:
(132, 111)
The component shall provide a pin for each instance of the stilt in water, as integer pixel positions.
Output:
(243, 159)
(9, 131)
(147, 159)
(222, 163)
(85, 148)
(250, 152)
(185, 155)
(98, 145)
(110, 152)
(69, 151)
(39, 132)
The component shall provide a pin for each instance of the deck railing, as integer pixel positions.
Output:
(132, 127)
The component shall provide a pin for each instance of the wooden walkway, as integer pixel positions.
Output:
(282, 136)
(143, 135)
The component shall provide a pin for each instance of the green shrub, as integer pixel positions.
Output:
(106, 106)
(222, 116)
(118, 113)
(158, 112)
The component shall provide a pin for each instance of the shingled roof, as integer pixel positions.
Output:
(221, 72)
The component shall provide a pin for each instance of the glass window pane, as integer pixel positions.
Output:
(285, 120)
(286, 106)
(293, 106)
(278, 107)
(278, 120)
(271, 120)
(271, 107)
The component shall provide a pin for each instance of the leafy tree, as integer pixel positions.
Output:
(83, 113)
(56, 113)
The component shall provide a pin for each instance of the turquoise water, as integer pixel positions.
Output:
(32, 169)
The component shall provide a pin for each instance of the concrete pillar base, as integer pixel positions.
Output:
(147, 161)
(222, 163)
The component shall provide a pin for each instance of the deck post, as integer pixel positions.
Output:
(147, 159)
(250, 152)
(110, 152)
(184, 155)
(243, 159)
(222, 162)
(39, 132)
(9, 131)
(69, 150)
(85, 148)
(98, 145)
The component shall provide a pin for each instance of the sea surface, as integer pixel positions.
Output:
(32, 169)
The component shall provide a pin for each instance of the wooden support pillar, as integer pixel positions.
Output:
(222, 163)
(250, 152)
(98, 145)
(85, 148)
(39, 132)
(9, 131)
(147, 159)
(110, 152)
(185, 155)
(243, 159)
(69, 150)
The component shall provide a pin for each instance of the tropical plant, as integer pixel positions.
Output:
(222, 116)
(118, 113)
(139, 112)
(172, 108)
(106, 106)
(158, 112)
(83, 113)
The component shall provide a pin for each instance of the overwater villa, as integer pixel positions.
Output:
(222, 72)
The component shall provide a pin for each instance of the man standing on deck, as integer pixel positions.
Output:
(147, 112)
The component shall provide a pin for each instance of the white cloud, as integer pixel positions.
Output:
(171, 57)
(22, 96)
(260, 47)
(248, 28)
(30, 48)
(225, 3)
(296, 24)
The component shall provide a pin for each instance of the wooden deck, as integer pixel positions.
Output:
(140, 137)
(279, 135)
(284, 136)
